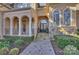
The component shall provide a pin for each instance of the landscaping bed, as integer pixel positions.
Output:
(61, 41)
(57, 50)
(14, 45)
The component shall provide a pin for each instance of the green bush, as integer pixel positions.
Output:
(62, 43)
(27, 39)
(76, 44)
(14, 51)
(4, 51)
(70, 50)
(77, 31)
(64, 40)
(4, 44)
(19, 43)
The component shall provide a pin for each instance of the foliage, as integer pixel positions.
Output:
(70, 50)
(4, 51)
(64, 40)
(19, 42)
(77, 31)
(62, 43)
(4, 44)
(14, 51)
(14, 41)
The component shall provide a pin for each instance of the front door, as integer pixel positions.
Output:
(43, 26)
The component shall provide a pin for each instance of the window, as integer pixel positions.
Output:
(22, 5)
(56, 16)
(67, 17)
(42, 4)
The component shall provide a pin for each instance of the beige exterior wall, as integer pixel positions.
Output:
(19, 15)
(34, 13)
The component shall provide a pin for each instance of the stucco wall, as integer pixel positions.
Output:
(18, 14)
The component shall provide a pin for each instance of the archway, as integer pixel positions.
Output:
(15, 25)
(7, 25)
(43, 24)
(25, 25)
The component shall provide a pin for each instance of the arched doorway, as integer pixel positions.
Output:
(25, 25)
(7, 25)
(15, 25)
(43, 25)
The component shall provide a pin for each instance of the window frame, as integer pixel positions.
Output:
(69, 17)
(58, 17)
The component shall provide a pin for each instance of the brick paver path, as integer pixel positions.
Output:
(39, 47)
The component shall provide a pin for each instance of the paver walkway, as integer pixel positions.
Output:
(39, 47)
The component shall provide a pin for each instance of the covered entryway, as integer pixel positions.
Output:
(43, 25)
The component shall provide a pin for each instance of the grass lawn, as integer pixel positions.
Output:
(14, 45)
(61, 41)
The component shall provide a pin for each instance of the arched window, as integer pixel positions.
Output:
(67, 17)
(56, 16)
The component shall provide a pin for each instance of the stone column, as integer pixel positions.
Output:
(60, 16)
(73, 19)
(11, 26)
(3, 26)
(73, 16)
(35, 15)
(30, 26)
(52, 25)
(1, 34)
(19, 26)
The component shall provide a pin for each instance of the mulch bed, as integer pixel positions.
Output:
(57, 50)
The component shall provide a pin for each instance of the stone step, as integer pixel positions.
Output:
(42, 36)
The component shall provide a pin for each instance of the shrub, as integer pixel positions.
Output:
(64, 40)
(27, 39)
(62, 43)
(70, 50)
(4, 44)
(19, 42)
(14, 51)
(77, 31)
(4, 51)
(76, 44)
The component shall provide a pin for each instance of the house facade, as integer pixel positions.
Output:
(33, 18)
